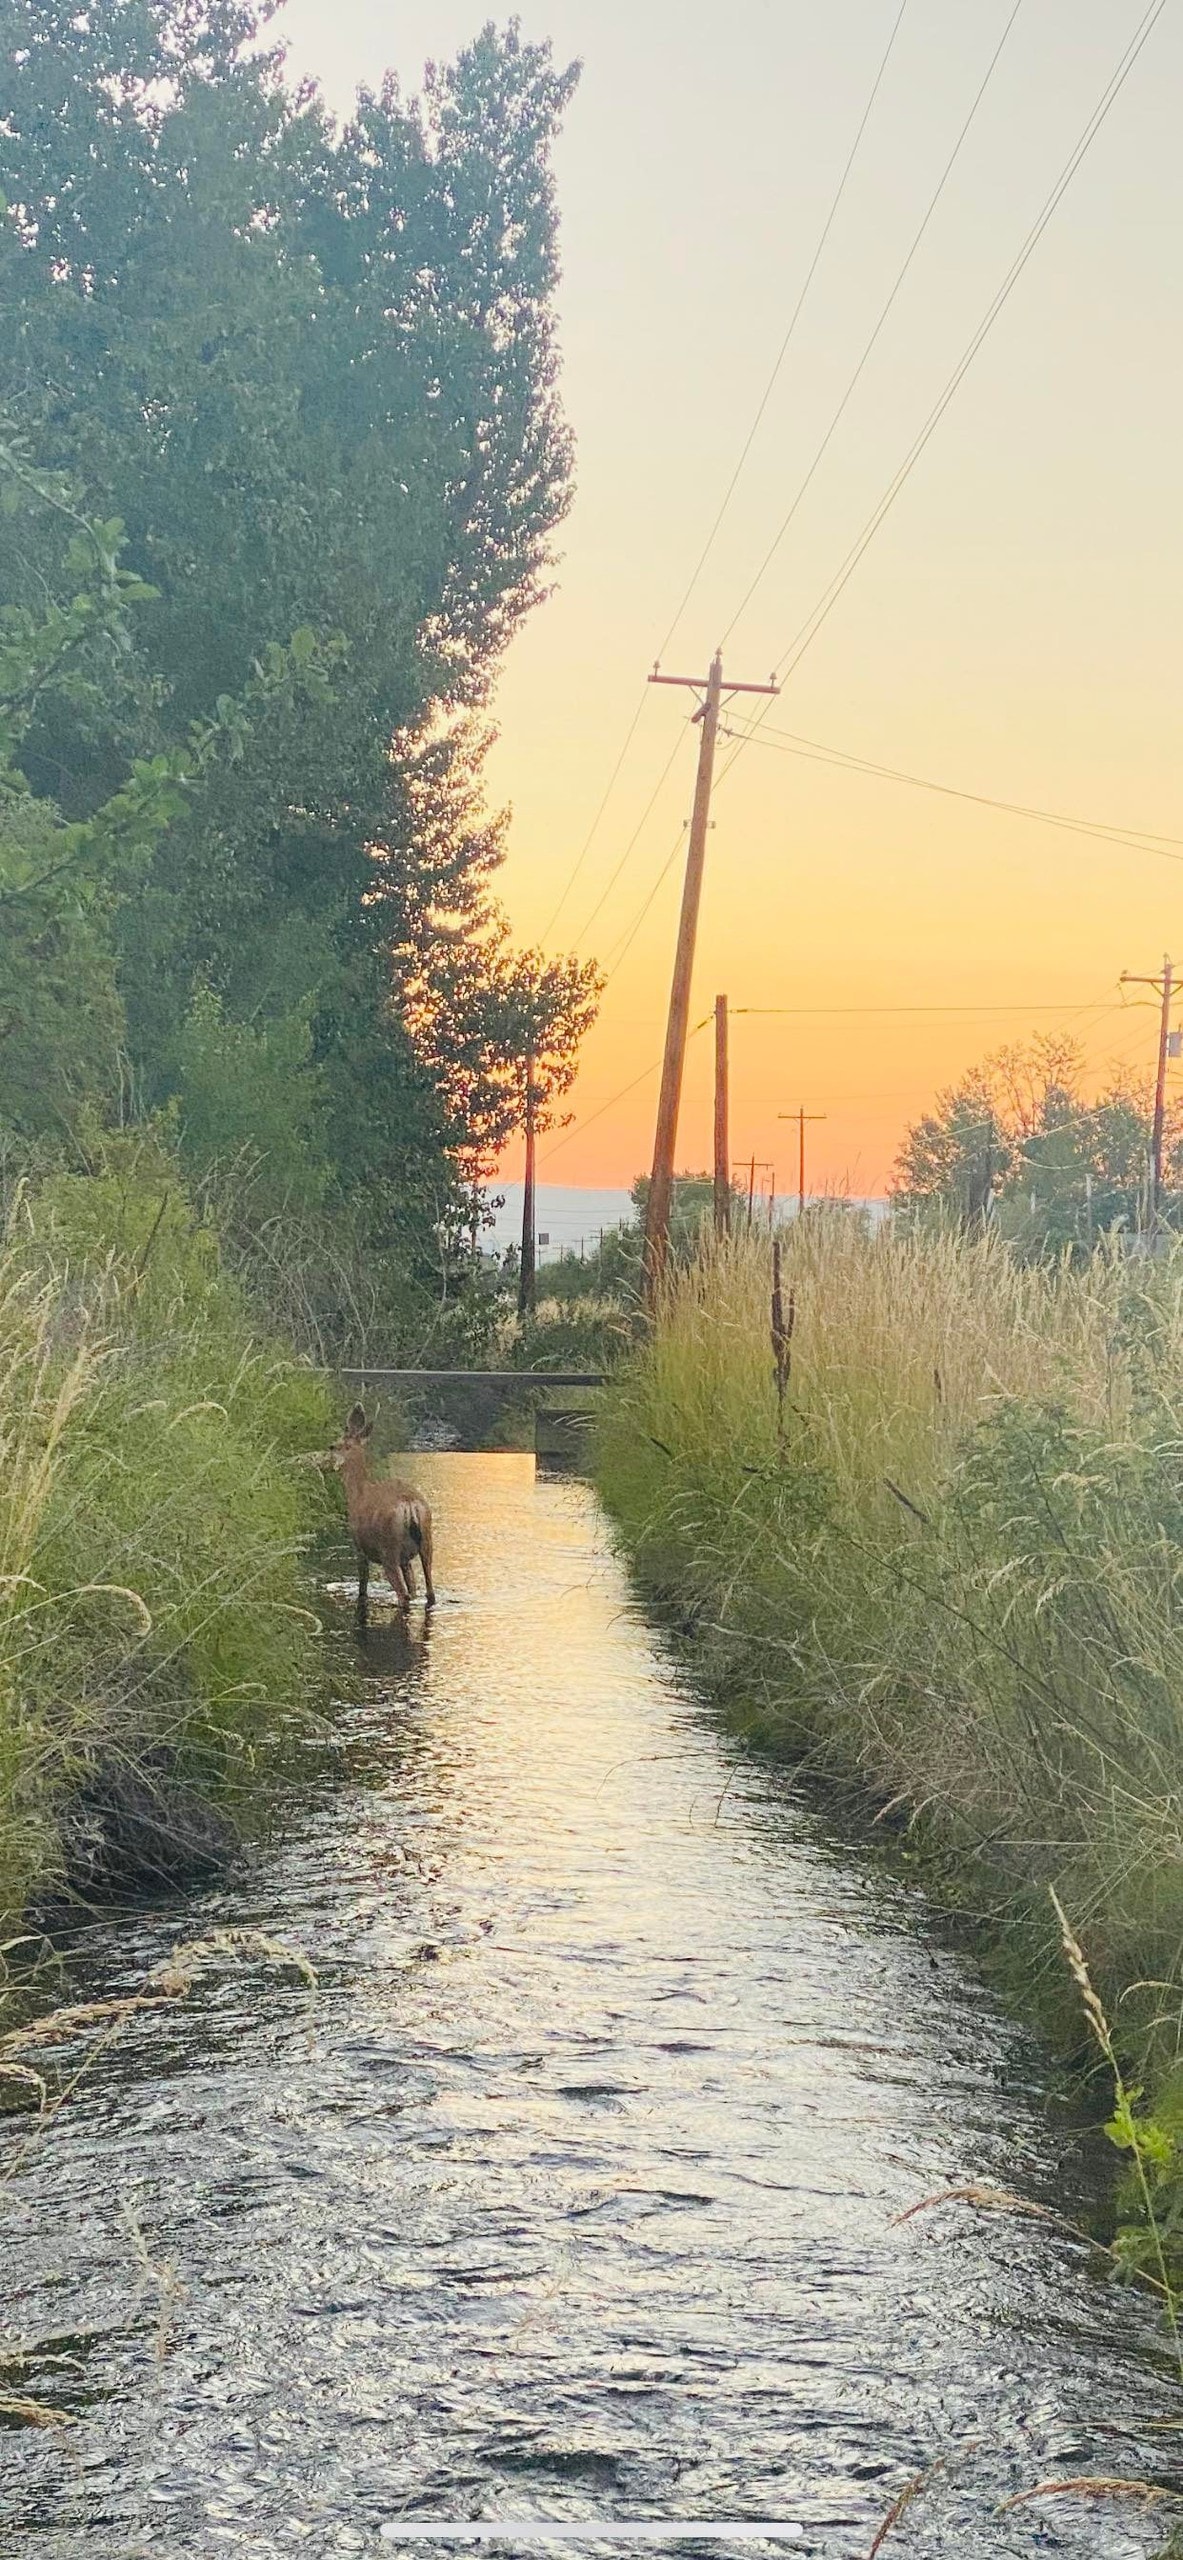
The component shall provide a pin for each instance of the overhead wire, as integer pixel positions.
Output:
(606, 893)
(880, 324)
(813, 623)
(808, 630)
(625, 941)
(750, 733)
(593, 830)
(815, 751)
(623, 1094)
(787, 339)
(732, 484)
(1021, 1004)
(837, 1012)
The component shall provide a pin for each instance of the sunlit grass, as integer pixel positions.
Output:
(959, 1581)
(153, 1616)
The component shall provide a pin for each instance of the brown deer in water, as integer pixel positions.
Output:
(390, 1522)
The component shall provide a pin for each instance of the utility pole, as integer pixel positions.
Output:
(527, 1291)
(801, 1117)
(747, 1171)
(661, 1181)
(1163, 987)
(722, 1138)
(980, 1205)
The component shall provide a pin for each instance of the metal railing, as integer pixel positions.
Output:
(474, 1377)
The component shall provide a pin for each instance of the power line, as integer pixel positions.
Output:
(586, 846)
(786, 341)
(625, 1090)
(729, 492)
(610, 1105)
(864, 359)
(786, 1012)
(1096, 120)
(813, 751)
(809, 629)
(606, 893)
(625, 942)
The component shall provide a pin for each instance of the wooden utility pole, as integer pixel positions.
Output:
(722, 1138)
(661, 1181)
(1160, 1084)
(747, 1171)
(801, 1117)
(527, 1284)
(1164, 988)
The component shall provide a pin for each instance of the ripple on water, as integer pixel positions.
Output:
(570, 2194)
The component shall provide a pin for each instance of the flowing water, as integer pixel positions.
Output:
(570, 2195)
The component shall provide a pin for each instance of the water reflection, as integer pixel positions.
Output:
(572, 2194)
(394, 1650)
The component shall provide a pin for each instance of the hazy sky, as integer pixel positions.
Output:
(1014, 627)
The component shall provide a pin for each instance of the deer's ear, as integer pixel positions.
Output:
(357, 1427)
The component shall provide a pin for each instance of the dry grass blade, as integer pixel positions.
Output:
(61, 2026)
(1002, 2200)
(160, 2275)
(911, 2490)
(20, 2412)
(169, 1982)
(172, 1980)
(1075, 1959)
(1148, 2492)
(176, 1977)
(25, 2078)
(988, 2199)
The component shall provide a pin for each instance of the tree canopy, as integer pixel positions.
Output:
(1019, 1141)
(290, 466)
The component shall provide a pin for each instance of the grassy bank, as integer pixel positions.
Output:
(955, 1583)
(154, 1635)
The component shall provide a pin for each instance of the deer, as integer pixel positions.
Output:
(390, 1522)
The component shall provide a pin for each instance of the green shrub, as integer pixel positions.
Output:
(153, 1610)
(251, 1102)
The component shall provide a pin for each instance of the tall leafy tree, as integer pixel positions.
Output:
(486, 1016)
(313, 372)
(64, 623)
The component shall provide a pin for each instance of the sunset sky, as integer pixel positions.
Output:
(1013, 629)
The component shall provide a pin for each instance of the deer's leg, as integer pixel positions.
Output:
(425, 1559)
(397, 1580)
(363, 1586)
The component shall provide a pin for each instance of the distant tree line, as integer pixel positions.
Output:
(1019, 1143)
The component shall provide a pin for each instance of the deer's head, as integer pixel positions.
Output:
(358, 1428)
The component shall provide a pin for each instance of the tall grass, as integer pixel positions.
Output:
(154, 1636)
(958, 1579)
